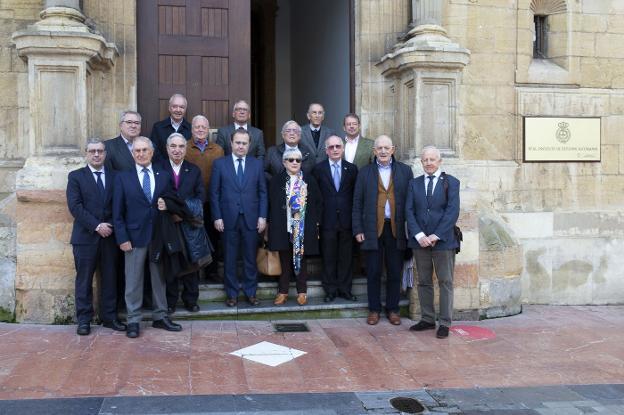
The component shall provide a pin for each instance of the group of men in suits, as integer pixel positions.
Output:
(368, 195)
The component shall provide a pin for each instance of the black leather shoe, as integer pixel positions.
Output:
(231, 302)
(84, 329)
(348, 296)
(133, 330)
(329, 298)
(115, 325)
(171, 310)
(422, 325)
(166, 324)
(253, 301)
(442, 332)
(193, 308)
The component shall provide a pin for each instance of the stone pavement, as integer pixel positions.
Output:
(499, 365)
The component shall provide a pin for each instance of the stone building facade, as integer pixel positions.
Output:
(457, 73)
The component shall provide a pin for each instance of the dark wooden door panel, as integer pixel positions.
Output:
(199, 48)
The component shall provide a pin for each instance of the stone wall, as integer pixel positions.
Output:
(564, 216)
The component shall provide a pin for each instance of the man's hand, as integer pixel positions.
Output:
(126, 246)
(424, 241)
(360, 237)
(433, 238)
(261, 224)
(218, 224)
(161, 204)
(105, 229)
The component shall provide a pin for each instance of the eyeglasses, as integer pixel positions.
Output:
(335, 147)
(96, 151)
(241, 109)
(133, 122)
(292, 130)
(293, 160)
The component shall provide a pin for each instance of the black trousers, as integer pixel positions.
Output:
(286, 261)
(387, 249)
(190, 289)
(87, 258)
(337, 252)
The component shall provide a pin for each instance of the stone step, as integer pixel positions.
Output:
(267, 289)
(315, 308)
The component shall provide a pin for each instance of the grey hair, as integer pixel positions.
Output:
(238, 102)
(382, 137)
(174, 96)
(316, 103)
(431, 148)
(145, 140)
(93, 140)
(289, 122)
(175, 135)
(199, 117)
(330, 137)
(291, 153)
(126, 112)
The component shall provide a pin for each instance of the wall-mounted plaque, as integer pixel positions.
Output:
(549, 139)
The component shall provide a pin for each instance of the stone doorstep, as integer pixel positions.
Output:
(268, 289)
(315, 308)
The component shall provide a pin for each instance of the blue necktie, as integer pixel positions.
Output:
(239, 171)
(430, 187)
(147, 187)
(100, 183)
(336, 176)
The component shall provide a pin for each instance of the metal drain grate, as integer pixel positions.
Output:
(290, 327)
(407, 405)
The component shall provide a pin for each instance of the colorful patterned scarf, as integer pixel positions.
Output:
(296, 195)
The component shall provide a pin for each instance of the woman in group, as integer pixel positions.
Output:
(295, 204)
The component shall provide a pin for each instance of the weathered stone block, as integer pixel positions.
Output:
(530, 225)
(44, 306)
(469, 247)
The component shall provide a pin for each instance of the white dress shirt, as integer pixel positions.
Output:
(351, 148)
(103, 175)
(150, 171)
(235, 159)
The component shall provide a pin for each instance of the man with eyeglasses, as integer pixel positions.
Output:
(241, 113)
(119, 149)
(239, 207)
(291, 134)
(358, 149)
(315, 133)
(89, 199)
(174, 123)
(379, 226)
(336, 179)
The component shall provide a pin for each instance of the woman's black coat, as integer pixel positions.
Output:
(279, 238)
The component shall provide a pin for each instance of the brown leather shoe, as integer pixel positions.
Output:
(280, 299)
(373, 318)
(302, 298)
(394, 318)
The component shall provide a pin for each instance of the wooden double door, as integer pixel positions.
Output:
(199, 48)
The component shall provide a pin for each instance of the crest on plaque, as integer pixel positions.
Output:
(563, 133)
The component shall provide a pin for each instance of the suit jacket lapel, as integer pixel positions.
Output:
(123, 149)
(232, 170)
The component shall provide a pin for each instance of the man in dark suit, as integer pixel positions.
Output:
(89, 198)
(336, 179)
(358, 149)
(291, 134)
(136, 201)
(186, 180)
(314, 134)
(242, 114)
(432, 210)
(238, 202)
(174, 123)
(379, 225)
(119, 149)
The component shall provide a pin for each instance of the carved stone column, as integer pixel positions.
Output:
(62, 53)
(426, 68)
